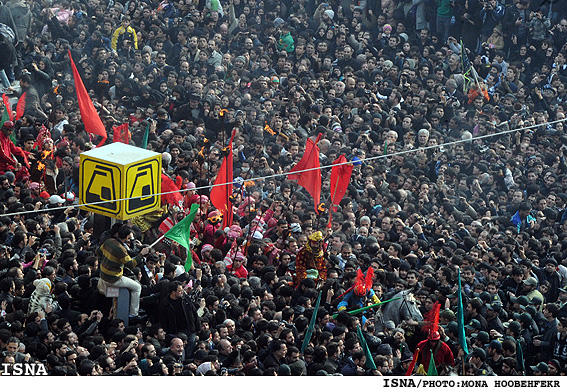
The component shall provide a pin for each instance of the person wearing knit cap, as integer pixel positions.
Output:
(239, 61)
(278, 22)
(206, 253)
(386, 32)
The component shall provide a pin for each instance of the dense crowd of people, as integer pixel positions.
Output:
(451, 110)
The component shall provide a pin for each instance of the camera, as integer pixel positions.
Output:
(228, 371)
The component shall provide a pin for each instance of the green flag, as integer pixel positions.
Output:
(311, 327)
(146, 137)
(180, 233)
(432, 370)
(520, 358)
(461, 320)
(369, 360)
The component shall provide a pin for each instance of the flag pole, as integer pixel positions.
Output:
(156, 241)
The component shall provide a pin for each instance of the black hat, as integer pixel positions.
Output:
(485, 296)
(200, 355)
(482, 336)
(316, 109)
(474, 324)
(540, 367)
(384, 349)
(522, 300)
(515, 327)
(453, 327)
(523, 318)
(496, 344)
(479, 353)
(495, 306)
(555, 363)
(549, 260)
(407, 356)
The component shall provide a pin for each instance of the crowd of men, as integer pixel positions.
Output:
(453, 110)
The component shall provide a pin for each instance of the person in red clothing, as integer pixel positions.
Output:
(9, 153)
(441, 351)
(236, 268)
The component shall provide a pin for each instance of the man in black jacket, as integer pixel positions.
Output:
(178, 313)
(30, 98)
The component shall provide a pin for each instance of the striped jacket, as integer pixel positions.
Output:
(113, 256)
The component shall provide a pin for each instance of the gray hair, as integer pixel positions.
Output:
(166, 158)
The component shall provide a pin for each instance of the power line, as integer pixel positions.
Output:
(369, 159)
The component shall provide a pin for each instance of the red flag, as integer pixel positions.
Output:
(8, 107)
(310, 180)
(340, 178)
(167, 185)
(121, 133)
(220, 194)
(21, 106)
(89, 115)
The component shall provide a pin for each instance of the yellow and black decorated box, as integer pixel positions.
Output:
(120, 181)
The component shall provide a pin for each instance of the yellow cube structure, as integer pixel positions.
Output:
(120, 181)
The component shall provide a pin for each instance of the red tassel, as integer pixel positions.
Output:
(369, 276)
(21, 106)
(7, 106)
(359, 283)
(432, 319)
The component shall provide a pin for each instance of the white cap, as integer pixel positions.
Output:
(56, 199)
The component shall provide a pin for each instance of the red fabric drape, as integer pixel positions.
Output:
(89, 115)
(310, 180)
